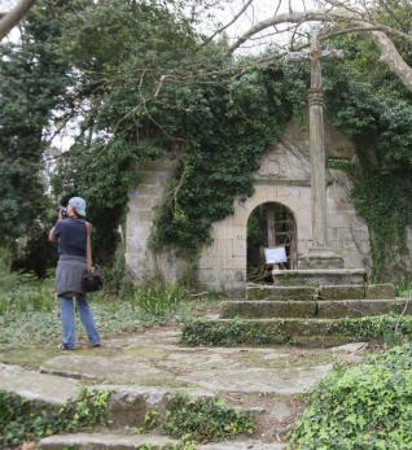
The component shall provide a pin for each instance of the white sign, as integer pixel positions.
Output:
(275, 255)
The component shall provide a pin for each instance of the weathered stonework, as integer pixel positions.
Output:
(142, 262)
(283, 177)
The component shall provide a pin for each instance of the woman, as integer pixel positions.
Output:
(71, 234)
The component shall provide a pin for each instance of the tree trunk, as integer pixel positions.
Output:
(11, 19)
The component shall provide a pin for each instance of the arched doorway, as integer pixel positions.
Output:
(270, 225)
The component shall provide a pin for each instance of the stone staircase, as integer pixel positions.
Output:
(307, 304)
(128, 409)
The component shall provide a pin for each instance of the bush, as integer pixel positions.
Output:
(24, 420)
(367, 407)
(204, 419)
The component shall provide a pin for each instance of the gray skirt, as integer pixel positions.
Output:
(69, 274)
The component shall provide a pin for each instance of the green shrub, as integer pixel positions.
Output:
(404, 290)
(366, 407)
(25, 420)
(204, 419)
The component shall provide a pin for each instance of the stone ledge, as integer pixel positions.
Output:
(324, 309)
(318, 277)
(128, 406)
(274, 331)
(99, 441)
(330, 292)
(36, 386)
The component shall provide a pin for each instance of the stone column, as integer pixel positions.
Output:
(320, 255)
(318, 169)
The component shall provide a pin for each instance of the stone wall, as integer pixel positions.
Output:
(283, 177)
(142, 262)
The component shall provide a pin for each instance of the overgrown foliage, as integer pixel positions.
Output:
(365, 407)
(204, 419)
(385, 328)
(25, 420)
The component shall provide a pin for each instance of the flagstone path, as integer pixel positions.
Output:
(262, 380)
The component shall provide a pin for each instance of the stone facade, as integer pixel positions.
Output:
(144, 264)
(284, 177)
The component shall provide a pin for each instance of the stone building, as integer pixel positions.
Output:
(283, 179)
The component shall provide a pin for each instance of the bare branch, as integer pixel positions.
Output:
(234, 19)
(11, 19)
(298, 17)
(314, 16)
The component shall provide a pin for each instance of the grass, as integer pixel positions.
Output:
(404, 290)
(30, 316)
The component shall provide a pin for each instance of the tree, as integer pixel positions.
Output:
(34, 81)
(349, 17)
(14, 17)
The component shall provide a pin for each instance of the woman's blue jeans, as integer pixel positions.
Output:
(68, 324)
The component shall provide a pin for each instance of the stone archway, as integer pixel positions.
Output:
(271, 224)
(223, 264)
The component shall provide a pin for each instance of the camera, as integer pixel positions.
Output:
(63, 212)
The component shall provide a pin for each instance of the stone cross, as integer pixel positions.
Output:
(320, 251)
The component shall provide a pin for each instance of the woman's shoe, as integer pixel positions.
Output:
(63, 347)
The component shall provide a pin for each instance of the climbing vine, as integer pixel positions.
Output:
(229, 126)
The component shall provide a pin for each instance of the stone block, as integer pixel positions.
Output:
(345, 292)
(360, 308)
(105, 440)
(269, 292)
(378, 291)
(318, 277)
(266, 309)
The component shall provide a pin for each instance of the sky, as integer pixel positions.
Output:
(259, 10)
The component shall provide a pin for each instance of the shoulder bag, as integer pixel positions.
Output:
(93, 277)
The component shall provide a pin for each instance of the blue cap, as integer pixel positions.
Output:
(79, 205)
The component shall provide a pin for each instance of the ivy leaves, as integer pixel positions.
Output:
(367, 407)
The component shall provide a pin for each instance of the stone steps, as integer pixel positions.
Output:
(338, 292)
(313, 309)
(292, 326)
(312, 332)
(100, 441)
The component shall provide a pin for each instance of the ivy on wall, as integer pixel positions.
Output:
(247, 114)
(229, 126)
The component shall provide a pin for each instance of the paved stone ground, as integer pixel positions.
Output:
(264, 380)
(156, 359)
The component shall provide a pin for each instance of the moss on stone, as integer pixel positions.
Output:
(296, 331)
